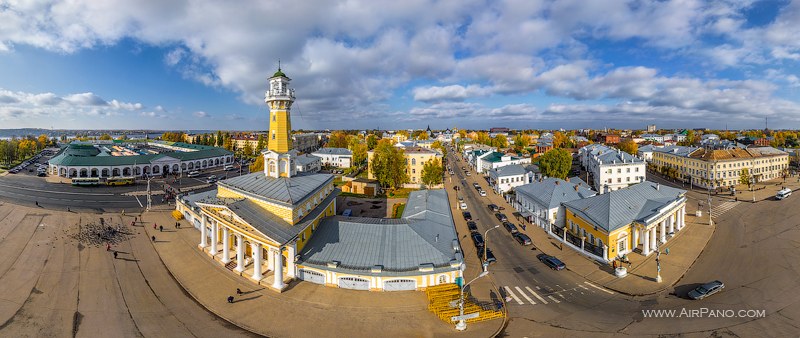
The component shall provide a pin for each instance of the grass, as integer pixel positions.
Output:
(338, 182)
(397, 210)
(350, 194)
(399, 193)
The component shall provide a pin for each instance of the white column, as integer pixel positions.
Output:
(646, 246)
(672, 223)
(683, 217)
(239, 253)
(653, 244)
(663, 230)
(270, 260)
(605, 252)
(278, 278)
(256, 261)
(203, 232)
(214, 238)
(635, 242)
(226, 243)
(291, 252)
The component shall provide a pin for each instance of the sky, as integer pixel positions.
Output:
(521, 64)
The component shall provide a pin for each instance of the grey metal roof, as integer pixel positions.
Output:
(765, 151)
(424, 235)
(306, 159)
(551, 192)
(682, 151)
(285, 191)
(509, 170)
(647, 148)
(578, 181)
(333, 151)
(618, 208)
(616, 156)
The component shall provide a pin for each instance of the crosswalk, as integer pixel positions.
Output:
(723, 207)
(528, 296)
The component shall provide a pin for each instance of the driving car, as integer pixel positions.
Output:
(493, 207)
(522, 238)
(211, 179)
(482, 193)
(501, 217)
(472, 226)
(706, 290)
(463, 206)
(467, 215)
(552, 262)
(510, 227)
(488, 254)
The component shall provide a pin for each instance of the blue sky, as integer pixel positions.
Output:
(401, 64)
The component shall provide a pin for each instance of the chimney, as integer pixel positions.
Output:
(658, 186)
(576, 187)
(557, 182)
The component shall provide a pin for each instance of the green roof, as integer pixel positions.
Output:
(66, 159)
(279, 73)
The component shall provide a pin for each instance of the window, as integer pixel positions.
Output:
(619, 170)
(273, 134)
(413, 161)
(619, 180)
(274, 115)
(628, 170)
(413, 171)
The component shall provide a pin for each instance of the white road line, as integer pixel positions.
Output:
(583, 287)
(56, 191)
(538, 288)
(524, 295)
(513, 295)
(553, 299)
(536, 295)
(599, 288)
(140, 202)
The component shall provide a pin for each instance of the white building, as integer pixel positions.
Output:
(646, 152)
(540, 201)
(335, 157)
(611, 168)
(653, 137)
(493, 160)
(308, 163)
(506, 178)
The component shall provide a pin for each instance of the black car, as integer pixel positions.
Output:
(472, 226)
(455, 188)
(523, 238)
(493, 207)
(489, 256)
(478, 240)
(706, 290)
(501, 217)
(510, 227)
(467, 216)
(551, 262)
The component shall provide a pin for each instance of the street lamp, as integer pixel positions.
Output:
(462, 325)
(486, 245)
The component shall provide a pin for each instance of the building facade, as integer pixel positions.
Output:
(306, 143)
(335, 157)
(415, 157)
(611, 168)
(540, 202)
(493, 160)
(506, 178)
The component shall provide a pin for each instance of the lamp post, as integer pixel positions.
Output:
(462, 325)
(486, 244)
(658, 265)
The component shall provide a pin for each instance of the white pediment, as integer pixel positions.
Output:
(165, 159)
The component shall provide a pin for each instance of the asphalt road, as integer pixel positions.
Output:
(754, 251)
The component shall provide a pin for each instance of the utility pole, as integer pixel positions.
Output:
(149, 199)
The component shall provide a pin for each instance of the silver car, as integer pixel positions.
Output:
(706, 290)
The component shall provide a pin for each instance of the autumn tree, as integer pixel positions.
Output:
(499, 141)
(337, 139)
(483, 138)
(257, 165)
(521, 141)
(220, 140)
(247, 150)
(359, 153)
(438, 145)
(745, 178)
(106, 137)
(372, 141)
(628, 146)
(555, 163)
(559, 140)
(432, 172)
(388, 165)
(262, 143)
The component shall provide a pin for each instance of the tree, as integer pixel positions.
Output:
(628, 146)
(262, 143)
(228, 143)
(372, 141)
(359, 153)
(247, 150)
(439, 146)
(555, 163)
(403, 132)
(123, 137)
(462, 133)
(483, 138)
(499, 141)
(106, 137)
(521, 142)
(432, 172)
(423, 135)
(745, 178)
(42, 141)
(257, 165)
(338, 139)
(389, 165)
(220, 140)
(559, 140)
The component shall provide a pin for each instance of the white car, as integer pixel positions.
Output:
(193, 174)
(783, 193)
(211, 179)
(483, 193)
(463, 206)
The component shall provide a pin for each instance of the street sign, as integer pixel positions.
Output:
(465, 316)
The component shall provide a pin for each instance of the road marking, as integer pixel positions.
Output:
(538, 288)
(536, 295)
(524, 295)
(553, 299)
(722, 208)
(583, 287)
(599, 288)
(140, 202)
(508, 290)
(56, 191)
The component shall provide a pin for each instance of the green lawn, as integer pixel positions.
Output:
(398, 210)
(399, 193)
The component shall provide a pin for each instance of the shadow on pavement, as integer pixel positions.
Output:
(245, 299)
(682, 291)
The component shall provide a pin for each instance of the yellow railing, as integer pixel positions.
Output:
(443, 302)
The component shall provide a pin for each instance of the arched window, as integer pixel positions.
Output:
(413, 161)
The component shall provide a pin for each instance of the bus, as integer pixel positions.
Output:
(91, 181)
(120, 180)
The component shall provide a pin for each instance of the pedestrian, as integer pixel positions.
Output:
(154, 238)
(238, 292)
(155, 226)
(108, 246)
(161, 228)
(176, 225)
(37, 203)
(135, 218)
(115, 255)
(614, 264)
(629, 264)
(230, 299)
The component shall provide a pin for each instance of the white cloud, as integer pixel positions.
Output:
(447, 93)
(200, 114)
(18, 104)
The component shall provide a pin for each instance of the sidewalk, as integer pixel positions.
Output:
(332, 312)
(685, 247)
(762, 190)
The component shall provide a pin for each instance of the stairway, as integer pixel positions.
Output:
(231, 265)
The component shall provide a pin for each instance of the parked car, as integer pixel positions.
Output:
(467, 215)
(551, 262)
(706, 290)
(477, 239)
(523, 238)
(456, 188)
(472, 226)
(193, 174)
(476, 185)
(211, 179)
(489, 256)
(463, 206)
(502, 217)
(783, 193)
(482, 193)
(493, 207)
(468, 174)
(510, 227)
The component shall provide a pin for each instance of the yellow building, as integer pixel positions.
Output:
(240, 142)
(415, 160)
(721, 167)
(639, 217)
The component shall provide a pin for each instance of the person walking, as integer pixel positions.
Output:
(155, 226)
(239, 292)
(115, 254)
(154, 238)
(108, 246)
(230, 299)
(37, 203)
(161, 228)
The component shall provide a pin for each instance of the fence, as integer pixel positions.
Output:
(443, 302)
